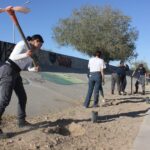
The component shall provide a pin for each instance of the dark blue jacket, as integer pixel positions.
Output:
(140, 71)
(121, 70)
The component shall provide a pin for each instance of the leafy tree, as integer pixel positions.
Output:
(92, 27)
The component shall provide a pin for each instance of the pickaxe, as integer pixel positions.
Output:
(11, 11)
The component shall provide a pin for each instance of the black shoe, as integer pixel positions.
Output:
(24, 123)
(124, 93)
(96, 106)
(119, 93)
(143, 93)
(1, 131)
(112, 92)
(0, 121)
(5, 135)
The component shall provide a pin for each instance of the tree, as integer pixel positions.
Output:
(92, 27)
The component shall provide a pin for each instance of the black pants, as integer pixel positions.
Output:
(121, 83)
(11, 80)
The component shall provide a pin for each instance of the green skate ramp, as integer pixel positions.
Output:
(61, 78)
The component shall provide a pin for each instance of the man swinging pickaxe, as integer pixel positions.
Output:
(11, 11)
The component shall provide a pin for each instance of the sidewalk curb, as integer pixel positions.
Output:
(142, 141)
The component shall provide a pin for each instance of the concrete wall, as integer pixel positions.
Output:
(47, 59)
(50, 61)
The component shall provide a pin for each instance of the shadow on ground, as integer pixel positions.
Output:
(132, 114)
(63, 123)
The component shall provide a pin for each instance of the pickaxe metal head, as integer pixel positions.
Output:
(11, 9)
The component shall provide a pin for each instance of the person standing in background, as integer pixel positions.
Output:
(96, 77)
(141, 74)
(125, 79)
(121, 71)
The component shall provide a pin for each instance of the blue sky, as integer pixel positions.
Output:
(45, 14)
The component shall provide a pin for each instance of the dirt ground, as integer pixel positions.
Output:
(118, 123)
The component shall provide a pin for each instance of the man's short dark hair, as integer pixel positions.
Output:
(121, 62)
(141, 65)
(98, 53)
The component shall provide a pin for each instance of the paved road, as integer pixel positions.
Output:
(142, 141)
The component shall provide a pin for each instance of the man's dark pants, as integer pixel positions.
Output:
(11, 80)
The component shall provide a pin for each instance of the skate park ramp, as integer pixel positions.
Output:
(50, 92)
(61, 78)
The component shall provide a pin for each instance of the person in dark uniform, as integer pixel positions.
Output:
(140, 73)
(121, 72)
(10, 79)
(125, 80)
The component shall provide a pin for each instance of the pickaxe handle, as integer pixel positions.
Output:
(15, 21)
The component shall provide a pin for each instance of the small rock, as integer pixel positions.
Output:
(19, 139)
(10, 142)
(37, 147)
